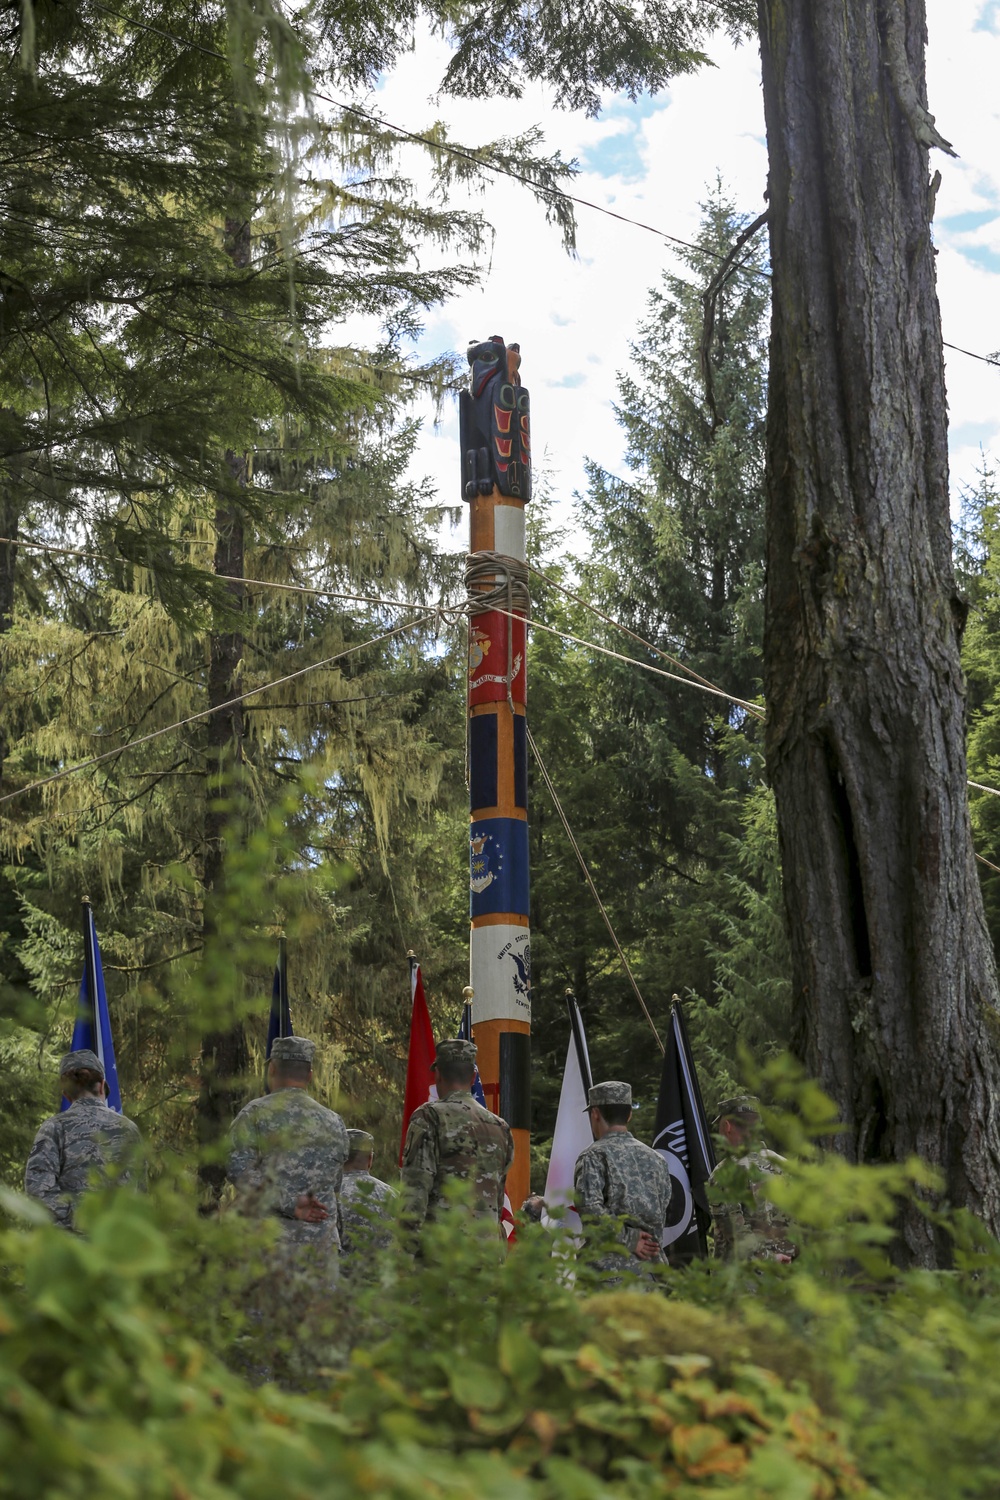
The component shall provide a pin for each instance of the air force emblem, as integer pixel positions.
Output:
(480, 874)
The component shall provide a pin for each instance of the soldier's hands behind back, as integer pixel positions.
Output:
(309, 1209)
(647, 1248)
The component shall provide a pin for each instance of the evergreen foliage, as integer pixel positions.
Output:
(125, 1350)
(660, 782)
(191, 218)
(978, 569)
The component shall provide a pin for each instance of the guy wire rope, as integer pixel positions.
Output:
(449, 615)
(593, 888)
(466, 155)
(206, 713)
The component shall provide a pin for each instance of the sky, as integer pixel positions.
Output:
(652, 160)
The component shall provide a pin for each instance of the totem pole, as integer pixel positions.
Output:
(496, 481)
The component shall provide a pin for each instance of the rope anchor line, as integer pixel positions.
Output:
(509, 597)
(593, 888)
(217, 708)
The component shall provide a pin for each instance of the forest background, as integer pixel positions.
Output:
(179, 403)
(191, 226)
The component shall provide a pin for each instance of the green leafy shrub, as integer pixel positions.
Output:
(129, 1356)
(635, 1392)
(102, 1393)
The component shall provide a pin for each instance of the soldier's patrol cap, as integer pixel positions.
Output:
(454, 1052)
(360, 1140)
(744, 1105)
(613, 1091)
(293, 1049)
(82, 1059)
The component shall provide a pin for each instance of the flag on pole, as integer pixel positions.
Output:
(93, 1022)
(418, 1067)
(465, 1032)
(683, 1139)
(572, 1134)
(280, 1020)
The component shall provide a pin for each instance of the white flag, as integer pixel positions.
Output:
(572, 1133)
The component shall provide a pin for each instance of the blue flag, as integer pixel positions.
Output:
(465, 1032)
(93, 1021)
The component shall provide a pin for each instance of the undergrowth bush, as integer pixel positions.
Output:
(126, 1353)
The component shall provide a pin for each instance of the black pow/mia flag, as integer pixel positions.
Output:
(683, 1139)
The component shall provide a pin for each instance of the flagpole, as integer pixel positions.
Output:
(283, 1009)
(90, 970)
(496, 481)
(576, 1031)
(420, 1052)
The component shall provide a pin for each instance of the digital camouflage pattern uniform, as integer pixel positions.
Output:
(455, 1138)
(87, 1145)
(747, 1226)
(364, 1200)
(620, 1182)
(282, 1145)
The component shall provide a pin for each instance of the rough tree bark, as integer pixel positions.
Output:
(895, 982)
(224, 1056)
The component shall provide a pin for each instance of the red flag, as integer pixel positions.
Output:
(418, 1068)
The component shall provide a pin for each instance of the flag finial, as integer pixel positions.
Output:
(467, 994)
(410, 953)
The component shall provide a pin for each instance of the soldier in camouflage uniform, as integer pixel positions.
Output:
(452, 1137)
(364, 1200)
(621, 1185)
(87, 1145)
(286, 1158)
(747, 1226)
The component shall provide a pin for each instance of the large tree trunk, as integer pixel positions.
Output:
(894, 975)
(224, 1055)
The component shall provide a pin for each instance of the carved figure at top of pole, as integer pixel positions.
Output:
(494, 422)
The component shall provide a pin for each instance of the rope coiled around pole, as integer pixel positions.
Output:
(495, 581)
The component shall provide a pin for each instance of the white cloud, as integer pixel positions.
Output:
(574, 318)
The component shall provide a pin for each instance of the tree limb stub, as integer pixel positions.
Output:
(918, 117)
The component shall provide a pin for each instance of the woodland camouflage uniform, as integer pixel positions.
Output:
(364, 1201)
(455, 1139)
(621, 1183)
(285, 1144)
(87, 1145)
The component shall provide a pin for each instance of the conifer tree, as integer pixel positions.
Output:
(895, 982)
(978, 570)
(656, 777)
(146, 373)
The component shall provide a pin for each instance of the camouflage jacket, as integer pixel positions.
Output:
(453, 1138)
(282, 1145)
(619, 1180)
(78, 1149)
(364, 1200)
(747, 1226)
